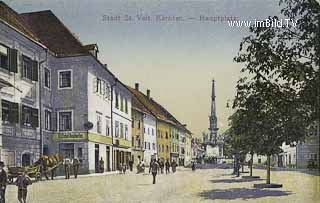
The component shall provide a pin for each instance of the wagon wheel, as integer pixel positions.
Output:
(10, 179)
(37, 176)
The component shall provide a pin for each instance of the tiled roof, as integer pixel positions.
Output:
(11, 17)
(53, 33)
(159, 111)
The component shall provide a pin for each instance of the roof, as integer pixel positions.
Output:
(11, 17)
(53, 33)
(91, 47)
(159, 111)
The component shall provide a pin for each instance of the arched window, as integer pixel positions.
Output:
(26, 160)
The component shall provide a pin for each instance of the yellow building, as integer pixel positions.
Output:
(137, 132)
(163, 140)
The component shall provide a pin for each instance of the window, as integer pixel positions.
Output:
(99, 124)
(107, 91)
(149, 146)
(153, 146)
(162, 148)
(107, 127)
(65, 79)
(139, 125)
(148, 131)
(117, 100)
(121, 130)
(167, 148)
(27, 67)
(126, 106)
(65, 121)
(145, 145)
(47, 116)
(121, 103)
(47, 78)
(117, 129)
(98, 85)
(144, 129)
(126, 132)
(152, 130)
(10, 112)
(29, 117)
(4, 57)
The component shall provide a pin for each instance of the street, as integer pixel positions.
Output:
(203, 185)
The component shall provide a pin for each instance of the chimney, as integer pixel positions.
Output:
(137, 86)
(148, 94)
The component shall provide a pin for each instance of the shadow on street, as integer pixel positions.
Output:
(243, 180)
(241, 193)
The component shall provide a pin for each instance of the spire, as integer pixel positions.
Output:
(213, 117)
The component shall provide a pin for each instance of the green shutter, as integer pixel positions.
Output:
(13, 62)
(35, 118)
(14, 113)
(34, 70)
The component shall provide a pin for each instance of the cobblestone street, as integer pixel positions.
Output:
(206, 185)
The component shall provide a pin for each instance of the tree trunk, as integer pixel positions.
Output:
(268, 169)
(251, 163)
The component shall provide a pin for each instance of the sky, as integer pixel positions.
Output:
(176, 60)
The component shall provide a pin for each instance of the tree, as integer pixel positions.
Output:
(282, 64)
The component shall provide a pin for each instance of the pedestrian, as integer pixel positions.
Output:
(3, 183)
(158, 162)
(76, 164)
(22, 182)
(131, 164)
(173, 166)
(193, 166)
(167, 166)
(154, 169)
(43, 167)
(161, 166)
(124, 168)
(101, 164)
(67, 168)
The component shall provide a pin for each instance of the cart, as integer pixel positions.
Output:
(31, 171)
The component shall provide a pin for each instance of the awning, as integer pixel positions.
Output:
(8, 84)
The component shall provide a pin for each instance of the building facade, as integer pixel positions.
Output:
(150, 137)
(138, 131)
(174, 137)
(21, 58)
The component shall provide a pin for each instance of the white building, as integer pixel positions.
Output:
(182, 146)
(150, 137)
(121, 122)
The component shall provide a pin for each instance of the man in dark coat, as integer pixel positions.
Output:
(3, 183)
(131, 164)
(167, 166)
(67, 168)
(76, 164)
(22, 182)
(154, 169)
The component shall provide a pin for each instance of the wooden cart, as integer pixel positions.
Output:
(32, 172)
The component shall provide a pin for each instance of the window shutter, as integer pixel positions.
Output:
(22, 115)
(14, 113)
(35, 118)
(13, 64)
(94, 84)
(54, 121)
(34, 70)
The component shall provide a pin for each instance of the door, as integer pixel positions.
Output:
(26, 160)
(108, 158)
(96, 157)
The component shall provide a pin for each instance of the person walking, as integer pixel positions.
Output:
(3, 183)
(173, 166)
(67, 168)
(101, 165)
(124, 168)
(22, 182)
(161, 166)
(131, 164)
(76, 164)
(158, 162)
(167, 164)
(154, 169)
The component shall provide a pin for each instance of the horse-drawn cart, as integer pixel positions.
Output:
(46, 163)
(31, 171)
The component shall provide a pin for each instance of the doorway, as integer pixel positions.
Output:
(26, 160)
(108, 158)
(96, 157)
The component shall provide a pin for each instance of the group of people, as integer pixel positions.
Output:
(157, 166)
(71, 163)
(22, 182)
